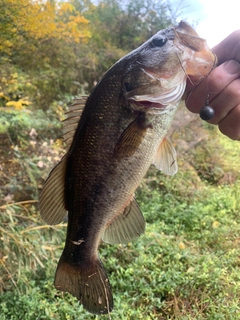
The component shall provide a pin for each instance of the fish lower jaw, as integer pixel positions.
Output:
(152, 107)
(146, 105)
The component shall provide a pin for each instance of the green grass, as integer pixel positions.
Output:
(185, 266)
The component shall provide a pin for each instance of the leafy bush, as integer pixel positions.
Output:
(26, 153)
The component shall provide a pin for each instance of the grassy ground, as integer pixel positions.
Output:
(185, 266)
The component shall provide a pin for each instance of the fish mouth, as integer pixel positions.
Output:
(160, 100)
(147, 104)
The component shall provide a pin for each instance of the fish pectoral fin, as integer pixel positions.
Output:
(51, 200)
(73, 117)
(166, 158)
(88, 282)
(126, 226)
(131, 138)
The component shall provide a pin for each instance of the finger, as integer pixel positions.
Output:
(225, 101)
(210, 87)
(229, 126)
(229, 48)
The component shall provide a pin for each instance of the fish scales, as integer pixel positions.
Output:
(97, 163)
(121, 132)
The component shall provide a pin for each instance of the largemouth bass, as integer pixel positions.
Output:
(121, 132)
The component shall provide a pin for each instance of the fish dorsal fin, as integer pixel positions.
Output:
(51, 201)
(73, 117)
(166, 158)
(126, 226)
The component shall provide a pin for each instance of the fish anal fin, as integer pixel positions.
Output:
(88, 282)
(126, 226)
(132, 137)
(51, 200)
(166, 158)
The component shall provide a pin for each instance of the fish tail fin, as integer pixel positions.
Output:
(88, 282)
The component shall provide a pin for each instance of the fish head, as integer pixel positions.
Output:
(156, 77)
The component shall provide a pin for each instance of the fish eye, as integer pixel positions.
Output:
(128, 87)
(159, 41)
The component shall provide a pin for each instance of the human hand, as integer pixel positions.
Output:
(221, 88)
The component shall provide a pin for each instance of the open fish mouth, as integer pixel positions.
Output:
(161, 99)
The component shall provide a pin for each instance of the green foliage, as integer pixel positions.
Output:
(185, 266)
(26, 156)
(18, 124)
(53, 52)
(117, 29)
(40, 40)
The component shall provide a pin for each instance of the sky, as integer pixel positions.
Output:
(216, 19)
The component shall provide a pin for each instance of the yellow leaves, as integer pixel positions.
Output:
(58, 144)
(72, 26)
(5, 46)
(181, 245)
(43, 38)
(18, 105)
(8, 43)
(215, 224)
(65, 7)
(43, 20)
(74, 29)
(37, 19)
(11, 91)
(3, 96)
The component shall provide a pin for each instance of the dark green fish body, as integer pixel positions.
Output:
(121, 132)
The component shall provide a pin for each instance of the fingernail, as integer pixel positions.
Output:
(232, 66)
